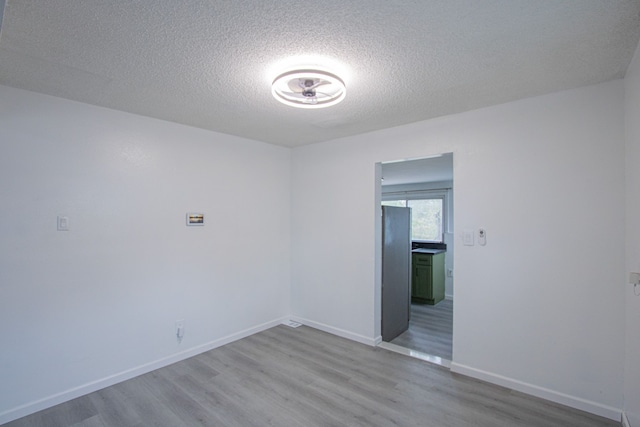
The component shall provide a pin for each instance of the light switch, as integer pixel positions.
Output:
(467, 237)
(63, 223)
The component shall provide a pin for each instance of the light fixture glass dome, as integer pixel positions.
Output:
(308, 88)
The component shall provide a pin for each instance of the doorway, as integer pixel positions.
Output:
(426, 186)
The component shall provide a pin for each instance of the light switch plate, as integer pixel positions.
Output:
(63, 223)
(467, 237)
(634, 278)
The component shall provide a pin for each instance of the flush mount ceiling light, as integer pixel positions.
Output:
(308, 88)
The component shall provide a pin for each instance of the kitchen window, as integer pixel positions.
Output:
(427, 217)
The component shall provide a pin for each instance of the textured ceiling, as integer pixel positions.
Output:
(209, 64)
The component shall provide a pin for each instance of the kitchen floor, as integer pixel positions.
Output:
(430, 329)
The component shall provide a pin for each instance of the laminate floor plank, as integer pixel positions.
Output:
(235, 400)
(145, 403)
(227, 406)
(305, 377)
(113, 407)
(360, 409)
(323, 362)
(284, 386)
(75, 411)
(430, 329)
(95, 421)
(185, 408)
(370, 361)
(271, 390)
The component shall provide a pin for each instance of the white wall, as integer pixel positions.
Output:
(540, 308)
(632, 125)
(97, 304)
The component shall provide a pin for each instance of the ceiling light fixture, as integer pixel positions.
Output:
(308, 88)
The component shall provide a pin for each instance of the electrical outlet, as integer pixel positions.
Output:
(180, 329)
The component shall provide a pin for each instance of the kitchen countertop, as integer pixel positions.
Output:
(427, 251)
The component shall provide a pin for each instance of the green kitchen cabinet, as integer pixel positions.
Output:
(427, 282)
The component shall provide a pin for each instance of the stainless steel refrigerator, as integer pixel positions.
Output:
(396, 271)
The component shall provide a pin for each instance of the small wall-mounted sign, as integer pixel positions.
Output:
(195, 219)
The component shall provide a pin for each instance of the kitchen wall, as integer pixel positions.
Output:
(540, 307)
(83, 308)
(632, 126)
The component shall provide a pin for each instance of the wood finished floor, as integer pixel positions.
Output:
(430, 329)
(305, 377)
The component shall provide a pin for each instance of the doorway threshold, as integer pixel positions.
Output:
(436, 360)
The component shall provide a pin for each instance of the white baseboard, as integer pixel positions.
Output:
(541, 392)
(47, 402)
(339, 332)
(625, 420)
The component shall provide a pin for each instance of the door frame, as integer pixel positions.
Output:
(378, 238)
